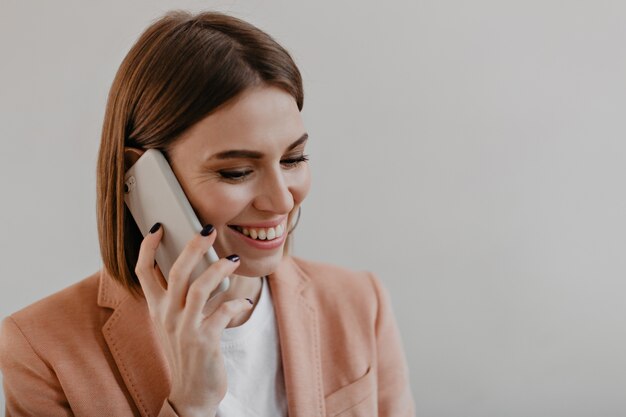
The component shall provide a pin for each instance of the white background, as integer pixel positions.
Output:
(472, 154)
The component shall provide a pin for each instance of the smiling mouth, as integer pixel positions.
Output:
(261, 233)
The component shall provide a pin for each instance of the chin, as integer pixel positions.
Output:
(258, 267)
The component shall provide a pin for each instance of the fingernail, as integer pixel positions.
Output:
(233, 257)
(156, 227)
(207, 230)
(250, 301)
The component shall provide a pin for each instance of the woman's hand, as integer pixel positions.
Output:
(189, 338)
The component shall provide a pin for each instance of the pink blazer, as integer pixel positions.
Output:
(90, 350)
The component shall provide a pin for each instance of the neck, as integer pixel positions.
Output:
(244, 287)
(240, 287)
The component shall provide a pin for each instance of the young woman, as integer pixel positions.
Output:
(221, 100)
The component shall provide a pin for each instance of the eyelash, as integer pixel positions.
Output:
(241, 175)
(293, 162)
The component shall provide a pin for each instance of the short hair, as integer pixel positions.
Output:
(182, 68)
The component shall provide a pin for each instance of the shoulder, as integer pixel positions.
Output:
(321, 269)
(337, 277)
(341, 286)
(77, 298)
(56, 316)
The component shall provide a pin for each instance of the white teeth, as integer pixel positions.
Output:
(269, 233)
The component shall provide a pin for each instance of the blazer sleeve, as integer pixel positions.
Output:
(31, 387)
(394, 392)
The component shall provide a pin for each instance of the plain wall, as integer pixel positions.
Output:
(471, 154)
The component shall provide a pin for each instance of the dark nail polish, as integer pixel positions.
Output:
(233, 257)
(156, 227)
(207, 230)
(250, 301)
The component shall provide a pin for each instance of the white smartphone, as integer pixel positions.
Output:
(152, 194)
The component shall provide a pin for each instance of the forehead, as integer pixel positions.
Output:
(265, 119)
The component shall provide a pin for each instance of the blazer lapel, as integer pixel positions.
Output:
(298, 331)
(134, 345)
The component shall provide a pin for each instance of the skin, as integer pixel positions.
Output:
(265, 120)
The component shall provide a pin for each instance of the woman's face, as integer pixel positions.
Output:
(244, 171)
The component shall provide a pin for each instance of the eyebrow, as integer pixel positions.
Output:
(243, 153)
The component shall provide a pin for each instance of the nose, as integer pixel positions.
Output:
(274, 194)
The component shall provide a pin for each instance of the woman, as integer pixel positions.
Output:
(221, 100)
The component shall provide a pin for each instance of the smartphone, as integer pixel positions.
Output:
(153, 194)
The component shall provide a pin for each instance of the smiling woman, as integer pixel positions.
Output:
(249, 158)
(221, 100)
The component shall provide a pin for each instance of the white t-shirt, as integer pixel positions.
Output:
(256, 387)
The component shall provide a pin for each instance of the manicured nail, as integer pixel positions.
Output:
(250, 301)
(233, 257)
(207, 230)
(156, 227)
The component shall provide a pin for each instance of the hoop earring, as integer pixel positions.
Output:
(297, 221)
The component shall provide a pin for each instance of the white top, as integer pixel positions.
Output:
(256, 387)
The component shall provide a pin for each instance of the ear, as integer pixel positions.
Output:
(131, 155)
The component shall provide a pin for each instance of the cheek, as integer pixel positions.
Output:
(218, 206)
(301, 185)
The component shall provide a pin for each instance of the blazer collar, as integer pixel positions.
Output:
(298, 331)
(135, 348)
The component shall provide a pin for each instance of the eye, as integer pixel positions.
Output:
(294, 162)
(235, 175)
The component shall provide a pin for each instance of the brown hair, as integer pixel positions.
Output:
(182, 68)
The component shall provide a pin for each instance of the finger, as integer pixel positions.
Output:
(159, 274)
(217, 322)
(178, 277)
(201, 288)
(144, 269)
